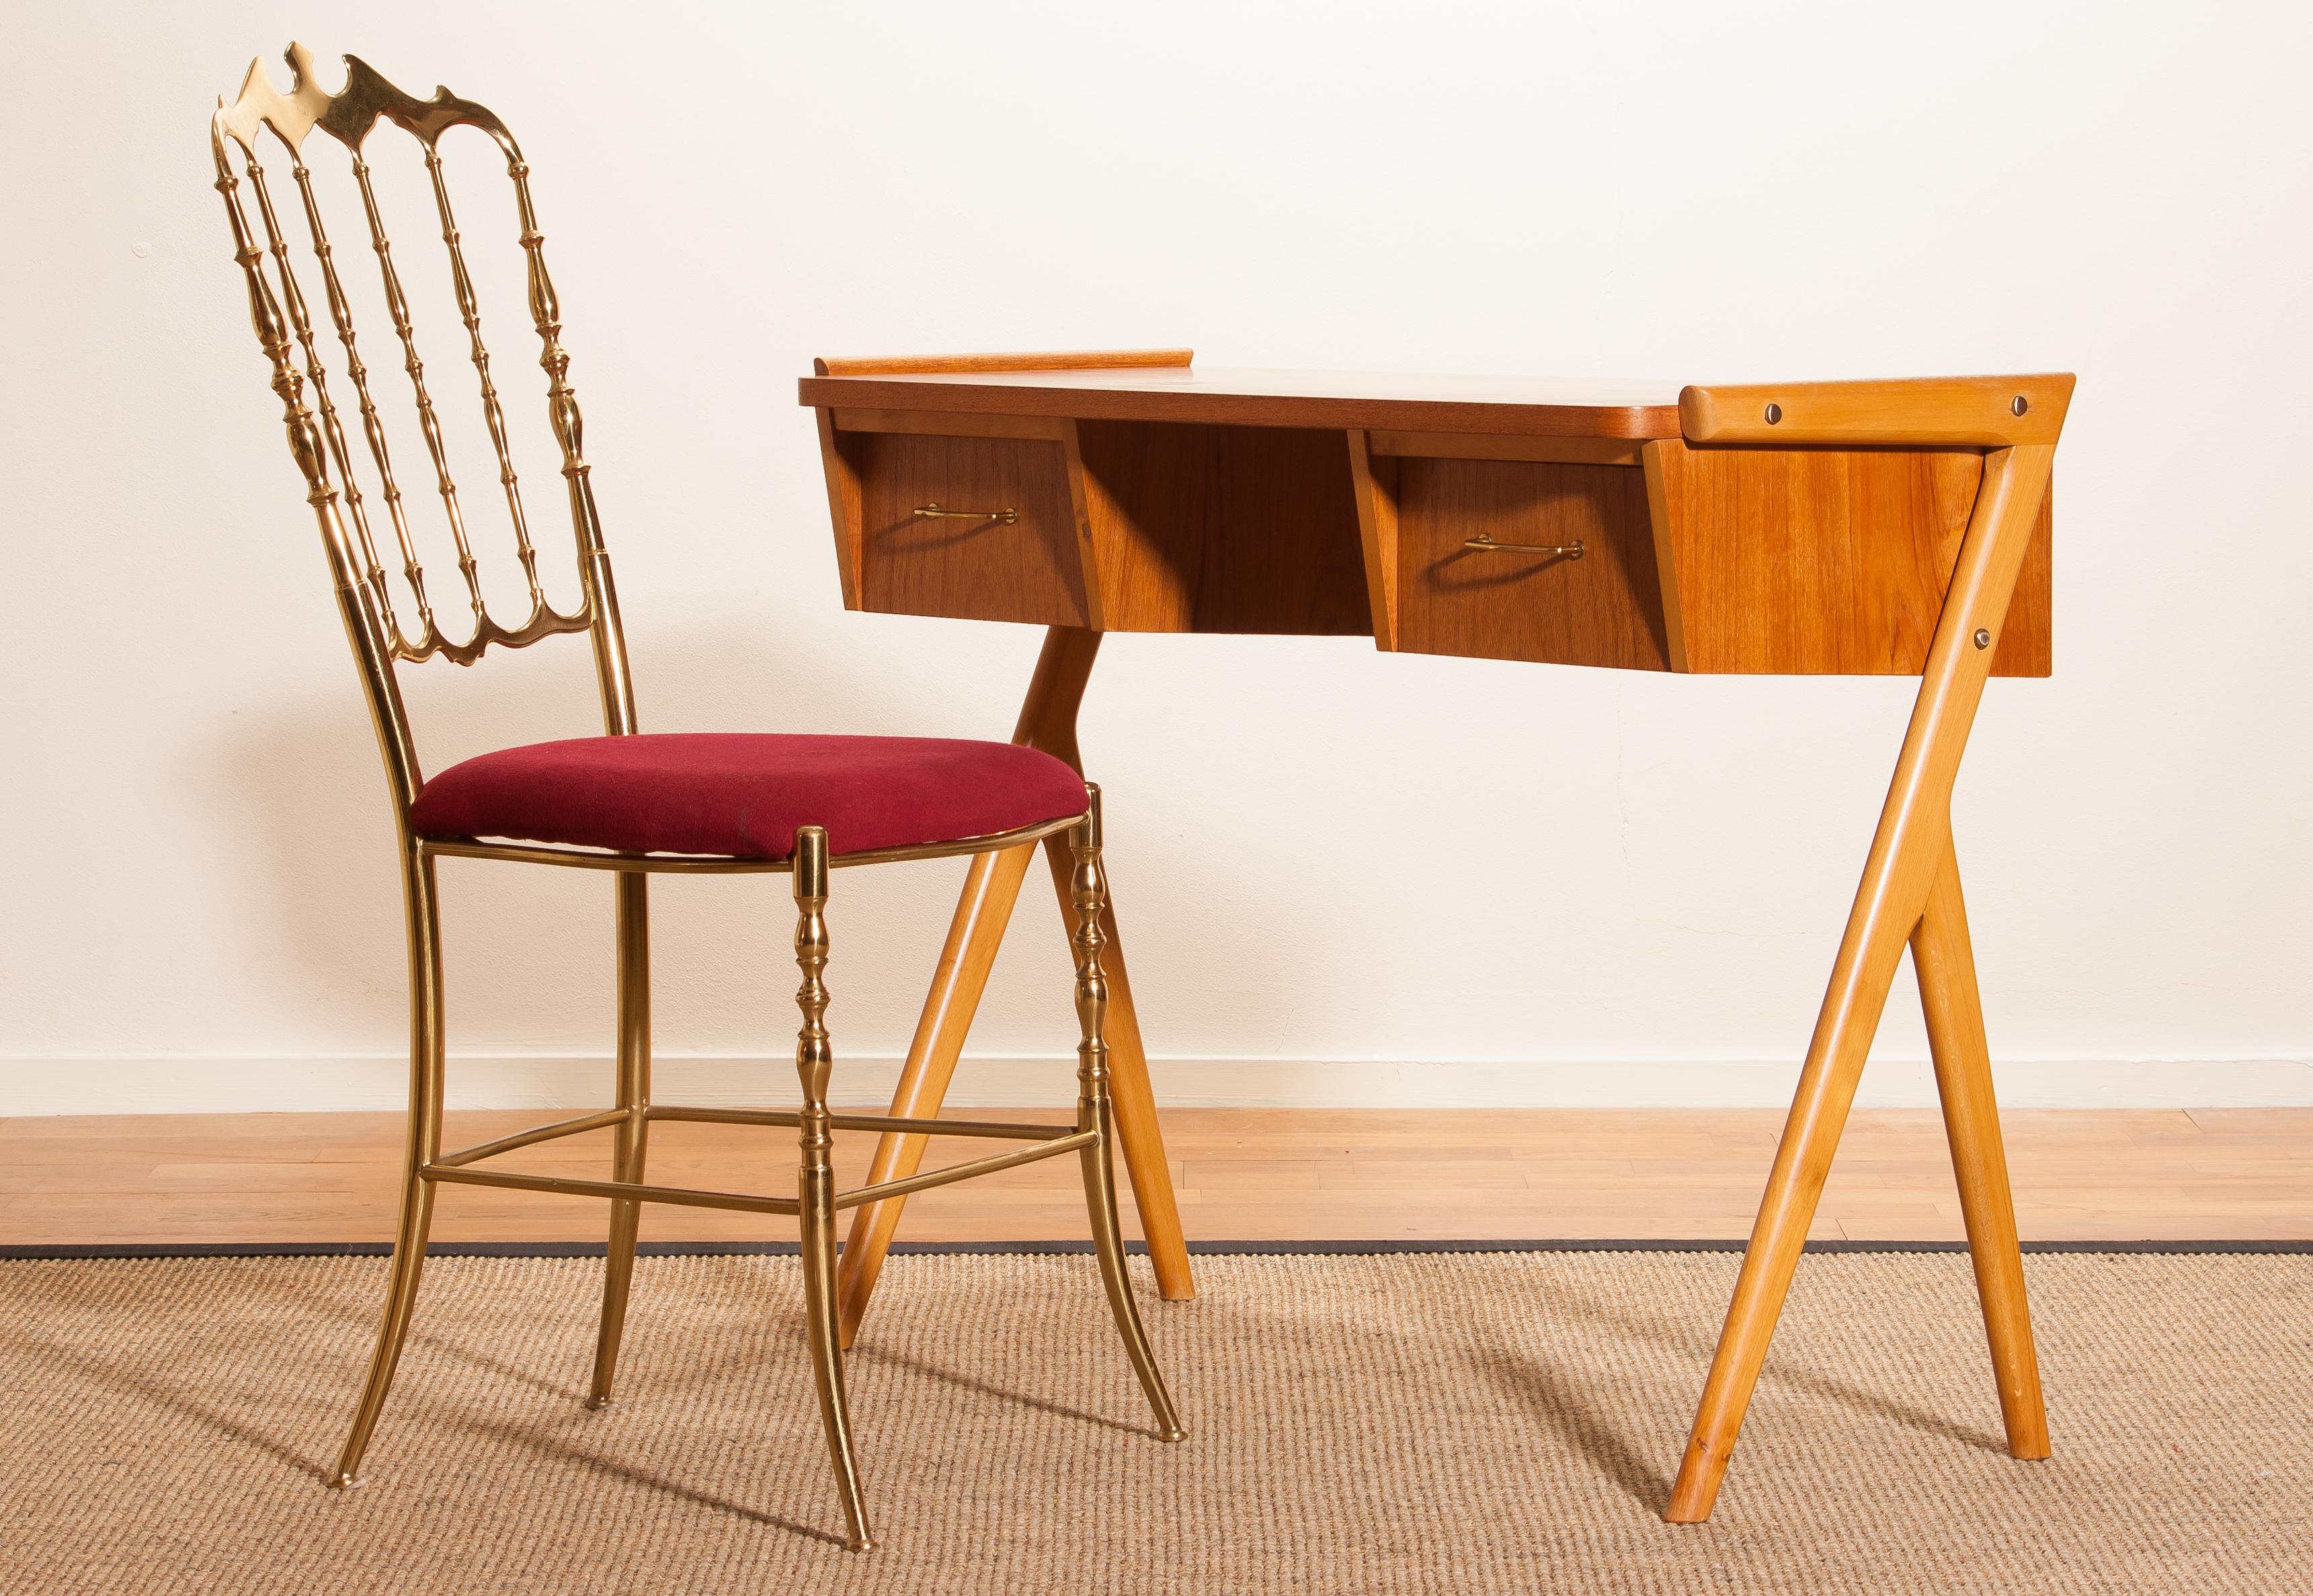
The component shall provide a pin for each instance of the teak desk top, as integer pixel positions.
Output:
(1238, 396)
(1887, 527)
(1808, 529)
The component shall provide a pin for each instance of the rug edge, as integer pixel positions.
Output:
(67, 1251)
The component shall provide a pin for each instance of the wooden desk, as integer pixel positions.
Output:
(1875, 528)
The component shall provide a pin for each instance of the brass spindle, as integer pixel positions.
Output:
(273, 335)
(397, 309)
(1097, 1115)
(306, 447)
(461, 284)
(561, 398)
(293, 301)
(816, 1182)
(601, 599)
(372, 427)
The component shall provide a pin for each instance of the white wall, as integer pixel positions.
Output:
(1388, 878)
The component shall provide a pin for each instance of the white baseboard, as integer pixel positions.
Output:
(182, 1086)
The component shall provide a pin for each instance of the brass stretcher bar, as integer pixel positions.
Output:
(1048, 1141)
(1844, 528)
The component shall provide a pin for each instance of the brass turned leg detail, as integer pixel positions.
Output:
(1139, 1139)
(814, 1060)
(1088, 893)
(627, 1158)
(424, 1143)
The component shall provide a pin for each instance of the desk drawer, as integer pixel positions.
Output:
(1604, 607)
(976, 565)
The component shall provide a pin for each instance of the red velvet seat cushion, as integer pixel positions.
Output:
(743, 794)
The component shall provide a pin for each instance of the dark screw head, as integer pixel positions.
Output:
(1774, 414)
(2016, 406)
(1982, 637)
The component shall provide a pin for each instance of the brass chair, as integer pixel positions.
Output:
(627, 804)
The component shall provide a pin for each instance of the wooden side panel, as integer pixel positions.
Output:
(2026, 646)
(1806, 562)
(1373, 478)
(839, 455)
(1665, 560)
(972, 568)
(1604, 608)
(1223, 529)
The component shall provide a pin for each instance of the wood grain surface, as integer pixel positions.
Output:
(980, 569)
(1223, 529)
(1604, 607)
(1808, 562)
(1916, 412)
(1246, 396)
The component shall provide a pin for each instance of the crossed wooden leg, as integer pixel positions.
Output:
(1048, 721)
(1910, 894)
(1946, 966)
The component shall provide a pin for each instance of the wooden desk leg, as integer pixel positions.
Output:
(1945, 965)
(1131, 1099)
(990, 891)
(1907, 853)
(1048, 721)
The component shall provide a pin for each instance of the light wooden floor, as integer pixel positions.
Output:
(2237, 1174)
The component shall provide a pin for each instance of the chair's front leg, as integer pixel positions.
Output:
(424, 1145)
(1139, 1137)
(814, 1061)
(989, 890)
(1089, 896)
(627, 1157)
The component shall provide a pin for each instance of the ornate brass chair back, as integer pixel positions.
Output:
(383, 636)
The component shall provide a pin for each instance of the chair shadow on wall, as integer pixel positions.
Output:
(300, 789)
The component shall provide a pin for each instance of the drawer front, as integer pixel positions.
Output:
(977, 566)
(1604, 607)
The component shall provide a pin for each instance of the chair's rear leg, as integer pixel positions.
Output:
(627, 1157)
(423, 1146)
(814, 1061)
(1088, 894)
(1946, 966)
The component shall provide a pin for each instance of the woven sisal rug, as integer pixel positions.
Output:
(1425, 1423)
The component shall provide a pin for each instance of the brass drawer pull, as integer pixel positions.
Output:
(1484, 543)
(933, 512)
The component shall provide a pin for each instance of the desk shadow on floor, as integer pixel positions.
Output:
(1559, 1403)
